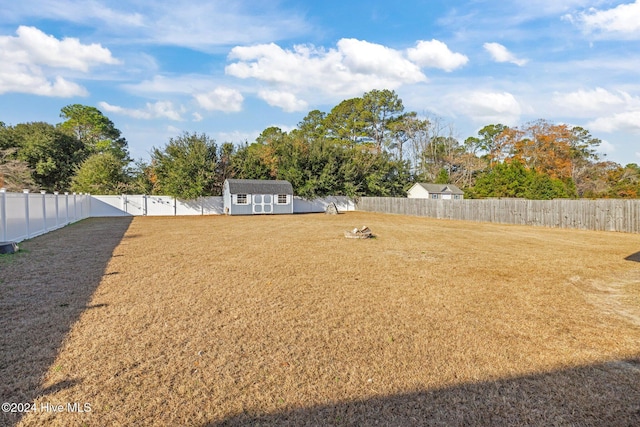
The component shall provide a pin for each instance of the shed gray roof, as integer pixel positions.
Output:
(259, 186)
(440, 188)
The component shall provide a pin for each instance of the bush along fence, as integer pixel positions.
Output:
(599, 215)
(26, 215)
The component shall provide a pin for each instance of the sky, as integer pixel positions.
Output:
(231, 69)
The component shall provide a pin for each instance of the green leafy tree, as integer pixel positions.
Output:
(248, 162)
(186, 167)
(101, 173)
(312, 127)
(94, 130)
(224, 167)
(51, 155)
(142, 178)
(491, 142)
(443, 177)
(583, 158)
(622, 182)
(380, 109)
(345, 122)
(513, 179)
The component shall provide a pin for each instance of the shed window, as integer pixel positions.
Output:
(241, 199)
(434, 196)
(456, 197)
(282, 199)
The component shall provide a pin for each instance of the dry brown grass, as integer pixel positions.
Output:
(281, 320)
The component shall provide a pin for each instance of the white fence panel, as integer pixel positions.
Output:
(51, 207)
(14, 216)
(135, 205)
(201, 206)
(212, 205)
(24, 215)
(36, 216)
(102, 206)
(160, 205)
(343, 203)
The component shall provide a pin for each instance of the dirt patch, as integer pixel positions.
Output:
(281, 320)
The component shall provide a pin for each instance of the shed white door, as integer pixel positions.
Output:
(262, 203)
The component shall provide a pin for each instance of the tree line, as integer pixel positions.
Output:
(364, 146)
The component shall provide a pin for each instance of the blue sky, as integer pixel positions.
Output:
(231, 69)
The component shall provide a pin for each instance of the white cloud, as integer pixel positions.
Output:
(197, 117)
(186, 84)
(36, 47)
(628, 121)
(79, 11)
(197, 24)
(488, 107)
(499, 53)
(33, 81)
(583, 103)
(613, 111)
(623, 19)
(436, 54)
(156, 110)
(238, 136)
(285, 100)
(221, 99)
(362, 57)
(350, 69)
(29, 60)
(606, 147)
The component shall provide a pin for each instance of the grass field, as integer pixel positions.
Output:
(280, 320)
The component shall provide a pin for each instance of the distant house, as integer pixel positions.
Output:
(422, 190)
(257, 196)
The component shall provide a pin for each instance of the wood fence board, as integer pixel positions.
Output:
(622, 215)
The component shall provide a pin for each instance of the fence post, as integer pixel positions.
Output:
(3, 214)
(26, 211)
(56, 194)
(75, 207)
(44, 209)
(66, 207)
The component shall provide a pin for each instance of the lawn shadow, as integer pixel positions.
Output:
(43, 292)
(634, 257)
(597, 395)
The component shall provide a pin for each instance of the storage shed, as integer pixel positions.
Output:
(422, 190)
(257, 196)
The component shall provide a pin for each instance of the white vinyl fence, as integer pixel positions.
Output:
(26, 215)
(142, 205)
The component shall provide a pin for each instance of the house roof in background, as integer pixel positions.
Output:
(259, 186)
(440, 188)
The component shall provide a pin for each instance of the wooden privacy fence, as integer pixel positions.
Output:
(602, 215)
